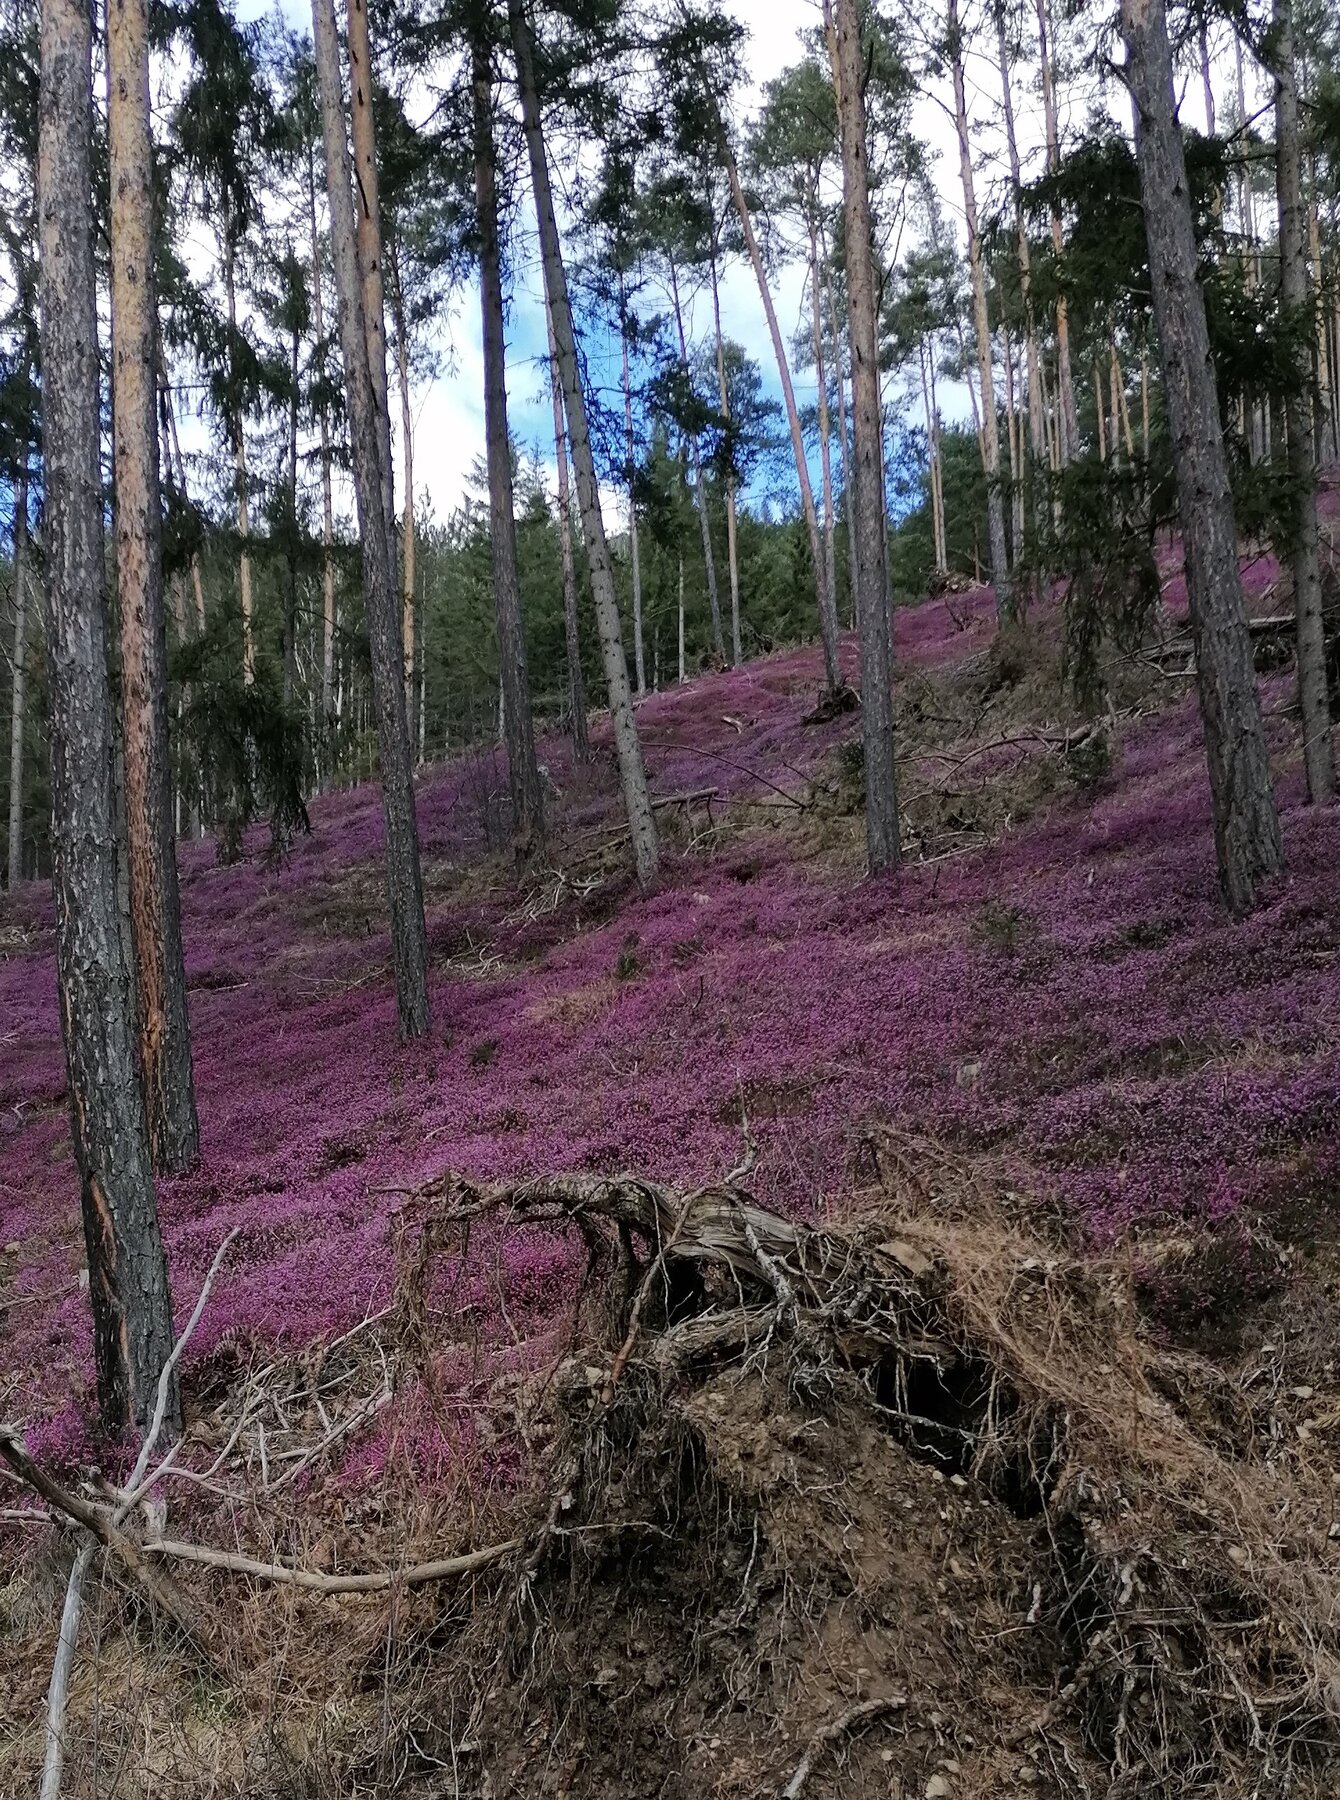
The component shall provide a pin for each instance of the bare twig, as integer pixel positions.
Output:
(377, 1581)
(59, 1690)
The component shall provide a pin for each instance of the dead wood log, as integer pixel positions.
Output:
(374, 1582)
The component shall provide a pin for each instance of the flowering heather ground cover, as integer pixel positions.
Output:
(1071, 996)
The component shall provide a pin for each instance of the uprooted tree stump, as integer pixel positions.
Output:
(1188, 1637)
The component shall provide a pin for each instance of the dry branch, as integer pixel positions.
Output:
(377, 1581)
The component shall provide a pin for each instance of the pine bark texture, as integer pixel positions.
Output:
(1295, 294)
(155, 913)
(639, 653)
(409, 943)
(990, 426)
(1246, 825)
(732, 523)
(581, 742)
(1067, 415)
(128, 1284)
(700, 489)
(18, 685)
(523, 773)
(881, 790)
(632, 774)
(368, 239)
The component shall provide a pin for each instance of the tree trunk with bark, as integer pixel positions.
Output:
(637, 801)
(407, 544)
(18, 682)
(732, 524)
(409, 943)
(828, 625)
(700, 487)
(128, 1284)
(581, 742)
(523, 772)
(1067, 414)
(240, 476)
(990, 426)
(881, 790)
(1036, 436)
(639, 654)
(155, 913)
(1247, 834)
(1296, 297)
(327, 500)
(368, 239)
(821, 392)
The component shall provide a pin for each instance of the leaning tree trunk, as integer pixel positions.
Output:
(409, 944)
(1318, 749)
(18, 680)
(881, 790)
(155, 913)
(700, 486)
(990, 425)
(828, 625)
(368, 239)
(1247, 833)
(128, 1284)
(581, 743)
(732, 524)
(523, 772)
(637, 801)
(639, 654)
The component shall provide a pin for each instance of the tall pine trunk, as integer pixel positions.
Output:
(523, 773)
(881, 791)
(990, 425)
(821, 390)
(732, 523)
(639, 653)
(828, 625)
(128, 1283)
(1247, 834)
(409, 943)
(368, 240)
(699, 486)
(1037, 447)
(241, 479)
(637, 801)
(1067, 413)
(1296, 297)
(581, 743)
(407, 545)
(18, 680)
(155, 914)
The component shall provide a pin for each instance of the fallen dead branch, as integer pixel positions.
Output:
(316, 1581)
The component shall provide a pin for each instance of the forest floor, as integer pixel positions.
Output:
(1040, 1046)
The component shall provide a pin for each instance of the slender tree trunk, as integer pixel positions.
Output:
(844, 435)
(1068, 416)
(291, 557)
(155, 915)
(1296, 297)
(821, 391)
(828, 625)
(128, 1284)
(1144, 404)
(637, 802)
(1247, 833)
(581, 744)
(18, 681)
(995, 504)
(1100, 418)
(327, 503)
(1036, 438)
(409, 943)
(1326, 445)
(407, 544)
(240, 477)
(639, 657)
(700, 486)
(368, 239)
(1252, 271)
(881, 791)
(732, 523)
(937, 466)
(523, 771)
(683, 673)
